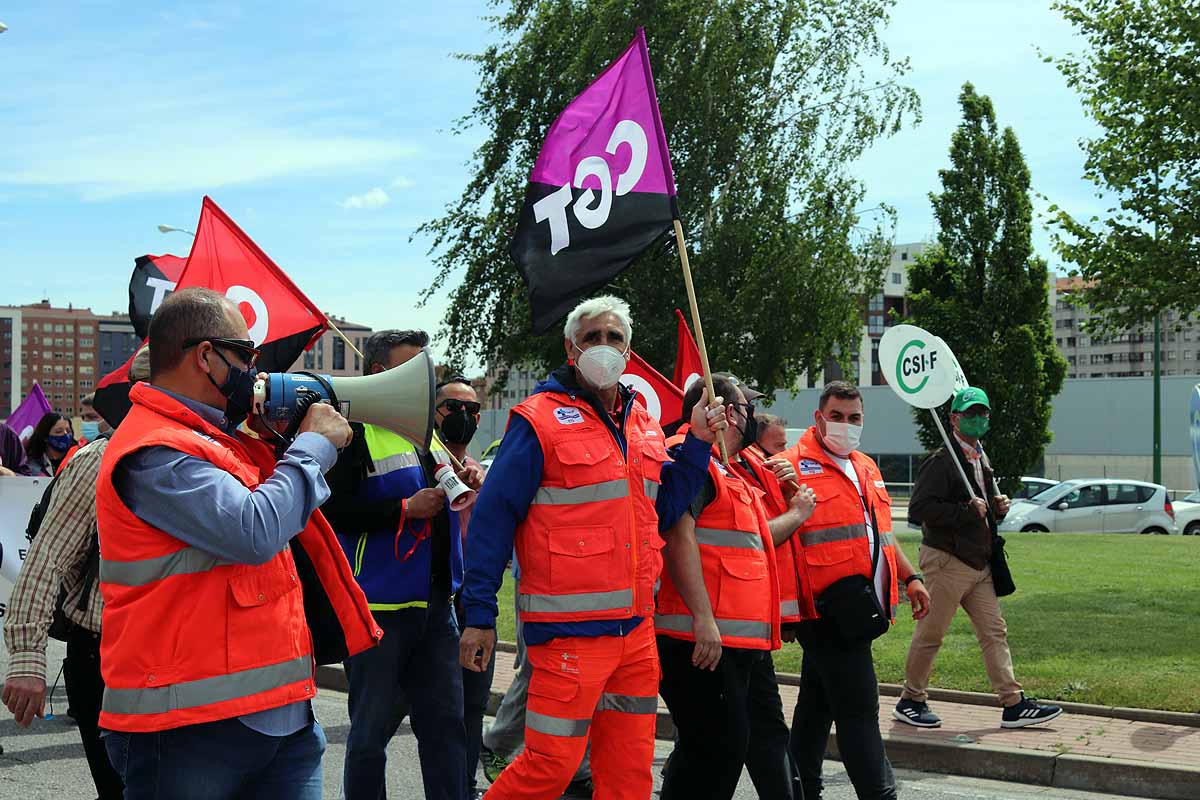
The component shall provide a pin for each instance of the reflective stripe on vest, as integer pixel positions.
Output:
(588, 493)
(556, 726)
(838, 533)
(394, 462)
(789, 608)
(619, 600)
(627, 704)
(727, 627)
(650, 488)
(206, 691)
(188, 561)
(716, 537)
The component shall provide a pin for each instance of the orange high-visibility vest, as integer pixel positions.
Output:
(832, 544)
(589, 546)
(738, 561)
(185, 637)
(774, 505)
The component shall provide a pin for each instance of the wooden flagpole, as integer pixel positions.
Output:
(695, 309)
(345, 338)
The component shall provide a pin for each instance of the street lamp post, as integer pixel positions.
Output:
(170, 229)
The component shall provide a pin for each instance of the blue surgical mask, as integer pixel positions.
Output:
(89, 430)
(61, 443)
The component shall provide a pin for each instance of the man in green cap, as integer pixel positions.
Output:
(957, 529)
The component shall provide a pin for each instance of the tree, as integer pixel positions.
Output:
(765, 103)
(984, 292)
(1140, 81)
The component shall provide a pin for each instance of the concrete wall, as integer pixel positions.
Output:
(1101, 427)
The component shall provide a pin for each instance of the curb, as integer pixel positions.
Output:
(1040, 768)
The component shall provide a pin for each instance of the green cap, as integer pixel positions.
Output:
(971, 396)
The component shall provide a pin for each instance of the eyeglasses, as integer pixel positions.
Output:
(244, 347)
(454, 406)
(976, 411)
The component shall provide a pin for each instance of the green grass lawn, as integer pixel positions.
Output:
(1107, 619)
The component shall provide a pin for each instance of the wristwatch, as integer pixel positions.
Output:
(916, 576)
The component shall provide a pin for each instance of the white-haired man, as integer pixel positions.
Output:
(582, 486)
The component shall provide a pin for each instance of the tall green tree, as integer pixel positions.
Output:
(1139, 79)
(766, 103)
(984, 291)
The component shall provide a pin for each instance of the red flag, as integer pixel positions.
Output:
(282, 321)
(687, 356)
(661, 398)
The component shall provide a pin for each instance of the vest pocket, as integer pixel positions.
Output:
(583, 460)
(569, 571)
(743, 592)
(259, 629)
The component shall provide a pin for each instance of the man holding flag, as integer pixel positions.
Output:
(583, 485)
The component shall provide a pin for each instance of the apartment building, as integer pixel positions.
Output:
(57, 347)
(1127, 354)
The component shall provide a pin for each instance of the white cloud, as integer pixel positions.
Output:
(403, 183)
(372, 198)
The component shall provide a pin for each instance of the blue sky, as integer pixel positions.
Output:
(323, 131)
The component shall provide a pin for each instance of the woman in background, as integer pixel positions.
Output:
(48, 444)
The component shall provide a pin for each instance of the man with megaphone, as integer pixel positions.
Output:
(212, 551)
(404, 543)
(583, 485)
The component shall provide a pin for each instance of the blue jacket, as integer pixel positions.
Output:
(512, 482)
(392, 564)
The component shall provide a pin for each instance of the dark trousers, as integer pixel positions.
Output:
(477, 688)
(838, 684)
(85, 690)
(222, 760)
(724, 719)
(416, 663)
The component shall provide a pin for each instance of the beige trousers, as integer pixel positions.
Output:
(951, 584)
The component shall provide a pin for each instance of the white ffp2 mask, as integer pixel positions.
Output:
(602, 365)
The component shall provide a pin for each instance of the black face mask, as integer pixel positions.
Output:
(458, 428)
(749, 432)
(238, 390)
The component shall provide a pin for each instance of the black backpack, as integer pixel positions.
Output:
(60, 627)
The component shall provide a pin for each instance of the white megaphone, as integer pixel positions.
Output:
(399, 399)
(458, 494)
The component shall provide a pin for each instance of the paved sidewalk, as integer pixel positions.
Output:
(1124, 751)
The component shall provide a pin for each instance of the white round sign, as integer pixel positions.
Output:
(917, 365)
(956, 370)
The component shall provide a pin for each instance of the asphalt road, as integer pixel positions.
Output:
(45, 762)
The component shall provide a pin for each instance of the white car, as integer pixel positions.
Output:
(1095, 505)
(1032, 487)
(1187, 514)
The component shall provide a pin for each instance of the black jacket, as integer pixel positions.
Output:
(940, 505)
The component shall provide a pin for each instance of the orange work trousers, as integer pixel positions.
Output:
(604, 688)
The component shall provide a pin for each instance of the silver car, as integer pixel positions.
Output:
(1095, 505)
(1187, 514)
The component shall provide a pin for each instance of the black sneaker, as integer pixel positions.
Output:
(916, 714)
(1028, 712)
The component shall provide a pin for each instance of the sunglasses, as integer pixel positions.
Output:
(454, 406)
(244, 347)
(746, 409)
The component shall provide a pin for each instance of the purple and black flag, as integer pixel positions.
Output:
(601, 191)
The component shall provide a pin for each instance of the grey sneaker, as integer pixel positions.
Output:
(916, 714)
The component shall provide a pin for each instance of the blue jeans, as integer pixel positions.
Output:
(218, 760)
(416, 663)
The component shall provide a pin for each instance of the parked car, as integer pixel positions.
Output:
(1187, 514)
(1032, 487)
(1095, 505)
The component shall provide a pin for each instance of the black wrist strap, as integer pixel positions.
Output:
(916, 576)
